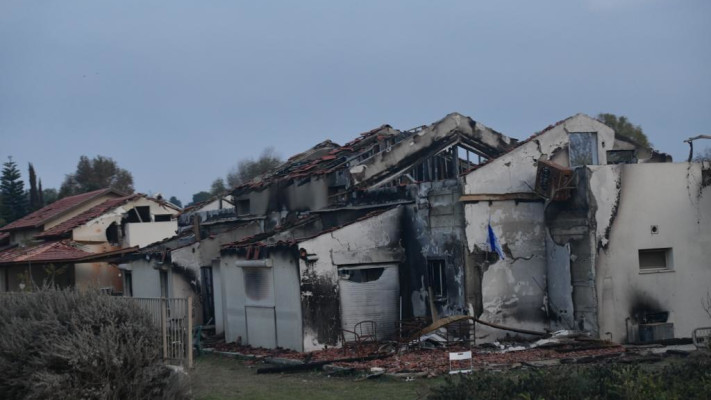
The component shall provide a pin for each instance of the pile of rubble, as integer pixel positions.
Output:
(427, 358)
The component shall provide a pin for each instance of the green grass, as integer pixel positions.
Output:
(222, 378)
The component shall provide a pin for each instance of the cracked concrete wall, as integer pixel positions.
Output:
(605, 185)
(673, 198)
(319, 279)
(558, 284)
(433, 229)
(513, 290)
(536, 287)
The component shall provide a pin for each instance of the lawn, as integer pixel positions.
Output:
(222, 378)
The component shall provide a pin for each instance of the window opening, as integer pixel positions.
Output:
(655, 259)
(437, 277)
(582, 148)
(361, 275)
(257, 283)
(243, 207)
(128, 285)
(139, 214)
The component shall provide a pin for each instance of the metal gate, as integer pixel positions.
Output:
(173, 316)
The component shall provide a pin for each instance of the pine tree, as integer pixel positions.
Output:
(14, 202)
(35, 203)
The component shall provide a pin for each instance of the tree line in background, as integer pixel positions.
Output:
(91, 174)
(101, 172)
(245, 171)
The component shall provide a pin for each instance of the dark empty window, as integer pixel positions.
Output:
(243, 207)
(362, 275)
(163, 217)
(164, 284)
(128, 283)
(651, 259)
(582, 148)
(139, 214)
(437, 277)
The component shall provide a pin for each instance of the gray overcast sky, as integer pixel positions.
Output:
(178, 91)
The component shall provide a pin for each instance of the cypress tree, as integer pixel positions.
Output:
(34, 194)
(41, 195)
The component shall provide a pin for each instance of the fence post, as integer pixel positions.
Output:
(189, 343)
(164, 327)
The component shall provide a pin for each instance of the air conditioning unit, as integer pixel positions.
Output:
(650, 333)
(553, 181)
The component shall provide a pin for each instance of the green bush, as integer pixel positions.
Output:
(81, 345)
(688, 380)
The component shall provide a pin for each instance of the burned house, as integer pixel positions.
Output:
(418, 172)
(598, 234)
(297, 289)
(397, 225)
(71, 243)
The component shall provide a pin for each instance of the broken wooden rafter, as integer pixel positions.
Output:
(456, 318)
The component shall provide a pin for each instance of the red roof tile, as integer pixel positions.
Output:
(44, 214)
(48, 251)
(86, 216)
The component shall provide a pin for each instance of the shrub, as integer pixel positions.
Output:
(80, 345)
(688, 380)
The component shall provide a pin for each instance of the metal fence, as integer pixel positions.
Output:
(173, 316)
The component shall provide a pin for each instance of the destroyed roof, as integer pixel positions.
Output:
(57, 208)
(86, 216)
(284, 237)
(55, 251)
(454, 129)
(327, 156)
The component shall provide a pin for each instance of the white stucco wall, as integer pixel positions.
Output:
(232, 287)
(143, 234)
(516, 170)
(144, 277)
(372, 233)
(671, 197)
(283, 302)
